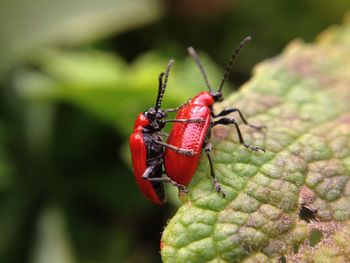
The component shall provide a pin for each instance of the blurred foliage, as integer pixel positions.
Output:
(107, 86)
(26, 25)
(73, 76)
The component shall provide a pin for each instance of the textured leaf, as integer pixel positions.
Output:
(302, 96)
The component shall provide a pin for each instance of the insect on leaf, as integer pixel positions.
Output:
(302, 96)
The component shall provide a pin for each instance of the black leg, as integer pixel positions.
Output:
(230, 110)
(174, 148)
(207, 148)
(177, 108)
(164, 134)
(198, 120)
(150, 170)
(227, 121)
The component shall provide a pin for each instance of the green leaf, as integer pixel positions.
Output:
(302, 96)
(334, 248)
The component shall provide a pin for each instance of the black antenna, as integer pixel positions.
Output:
(195, 56)
(232, 59)
(162, 85)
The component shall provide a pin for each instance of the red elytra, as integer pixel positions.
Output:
(195, 136)
(139, 162)
(181, 168)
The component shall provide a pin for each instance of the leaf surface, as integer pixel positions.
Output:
(275, 201)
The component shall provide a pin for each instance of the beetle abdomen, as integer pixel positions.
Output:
(139, 158)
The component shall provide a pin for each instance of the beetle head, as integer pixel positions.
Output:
(155, 118)
(153, 114)
(217, 95)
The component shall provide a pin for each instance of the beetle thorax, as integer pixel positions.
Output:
(203, 98)
(141, 122)
(150, 121)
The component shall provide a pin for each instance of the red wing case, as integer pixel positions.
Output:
(139, 156)
(189, 136)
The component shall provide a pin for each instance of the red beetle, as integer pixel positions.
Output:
(146, 147)
(195, 136)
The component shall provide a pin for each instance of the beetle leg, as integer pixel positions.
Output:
(150, 169)
(230, 110)
(207, 149)
(197, 120)
(227, 121)
(176, 149)
(168, 180)
(164, 134)
(179, 107)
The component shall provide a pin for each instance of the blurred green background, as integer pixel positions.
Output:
(74, 75)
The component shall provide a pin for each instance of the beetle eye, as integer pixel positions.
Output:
(160, 114)
(151, 113)
(217, 96)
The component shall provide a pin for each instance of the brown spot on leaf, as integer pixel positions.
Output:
(220, 132)
(306, 211)
(306, 196)
(321, 235)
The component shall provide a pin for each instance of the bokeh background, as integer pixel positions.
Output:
(73, 76)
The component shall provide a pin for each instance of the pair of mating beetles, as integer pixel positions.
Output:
(189, 135)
